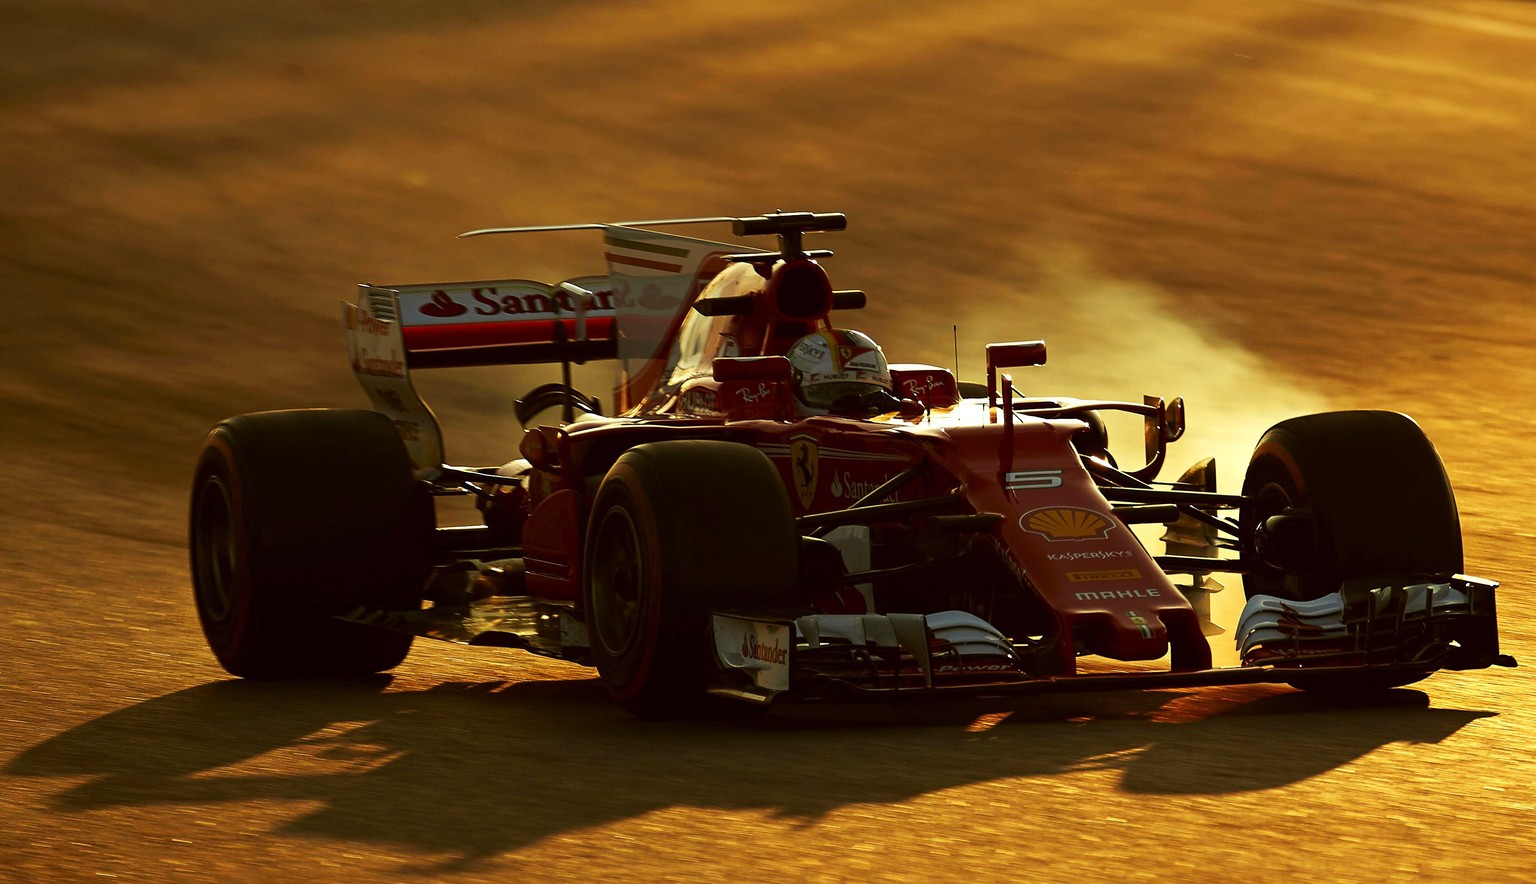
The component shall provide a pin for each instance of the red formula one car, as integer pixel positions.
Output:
(770, 510)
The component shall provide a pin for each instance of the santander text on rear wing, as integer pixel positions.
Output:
(506, 322)
(630, 315)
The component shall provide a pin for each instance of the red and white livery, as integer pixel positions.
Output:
(767, 509)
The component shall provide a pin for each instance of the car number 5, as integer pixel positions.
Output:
(1030, 480)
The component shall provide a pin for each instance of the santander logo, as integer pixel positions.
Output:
(752, 649)
(443, 306)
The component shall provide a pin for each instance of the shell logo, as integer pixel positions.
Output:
(1066, 523)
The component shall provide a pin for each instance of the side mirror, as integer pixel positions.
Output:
(930, 385)
(1164, 424)
(753, 387)
(1010, 355)
(1173, 420)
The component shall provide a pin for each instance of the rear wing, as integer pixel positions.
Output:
(504, 322)
(395, 329)
(632, 315)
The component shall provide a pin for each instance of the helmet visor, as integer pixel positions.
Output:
(824, 395)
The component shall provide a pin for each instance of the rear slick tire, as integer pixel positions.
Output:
(678, 528)
(1381, 502)
(296, 517)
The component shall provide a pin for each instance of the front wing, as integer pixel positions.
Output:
(1385, 630)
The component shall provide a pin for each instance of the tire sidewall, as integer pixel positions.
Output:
(628, 671)
(228, 636)
(712, 519)
(1375, 488)
(325, 517)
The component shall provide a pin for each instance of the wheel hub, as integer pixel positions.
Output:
(618, 574)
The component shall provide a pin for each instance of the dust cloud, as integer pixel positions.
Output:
(1113, 338)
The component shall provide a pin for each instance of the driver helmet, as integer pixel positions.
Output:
(840, 371)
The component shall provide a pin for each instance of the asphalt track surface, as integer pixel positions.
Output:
(1268, 207)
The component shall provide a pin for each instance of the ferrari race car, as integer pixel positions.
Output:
(708, 535)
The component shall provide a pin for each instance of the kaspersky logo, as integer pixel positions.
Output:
(1088, 554)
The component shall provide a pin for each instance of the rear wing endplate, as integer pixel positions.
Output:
(378, 355)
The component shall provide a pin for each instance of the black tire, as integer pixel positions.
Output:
(298, 516)
(676, 529)
(1380, 501)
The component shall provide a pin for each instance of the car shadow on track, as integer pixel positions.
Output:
(467, 771)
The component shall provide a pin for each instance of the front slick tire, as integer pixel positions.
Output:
(678, 528)
(296, 517)
(1382, 505)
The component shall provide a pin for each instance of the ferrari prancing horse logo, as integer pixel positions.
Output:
(802, 464)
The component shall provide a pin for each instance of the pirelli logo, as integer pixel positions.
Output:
(1096, 576)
